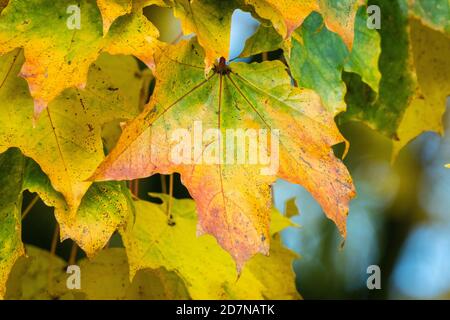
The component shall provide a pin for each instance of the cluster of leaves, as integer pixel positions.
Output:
(64, 92)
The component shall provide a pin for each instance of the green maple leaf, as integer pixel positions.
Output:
(317, 57)
(11, 247)
(414, 86)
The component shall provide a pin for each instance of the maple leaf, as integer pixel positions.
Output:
(210, 20)
(265, 39)
(414, 85)
(433, 14)
(288, 15)
(290, 208)
(424, 112)
(113, 9)
(11, 247)
(318, 57)
(285, 15)
(107, 277)
(58, 60)
(339, 17)
(207, 271)
(37, 276)
(66, 142)
(364, 57)
(41, 275)
(233, 199)
(104, 208)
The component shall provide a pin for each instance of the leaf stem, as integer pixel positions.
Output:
(54, 240)
(134, 197)
(133, 185)
(178, 37)
(73, 253)
(30, 206)
(169, 205)
(272, 194)
(163, 184)
(136, 188)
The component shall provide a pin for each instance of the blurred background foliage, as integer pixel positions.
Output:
(399, 221)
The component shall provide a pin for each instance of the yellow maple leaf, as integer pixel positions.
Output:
(55, 61)
(233, 198)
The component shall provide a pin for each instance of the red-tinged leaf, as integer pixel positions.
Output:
(233, 199)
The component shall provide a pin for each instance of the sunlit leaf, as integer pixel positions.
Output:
(209, 273)
(431, 50)
(288, 15)
(66, 142)
(58, 57)
(265, 39)
(285, 15)
(104, 208)
(112, 9)
(210, 20)
(234, 199)
(339, 17)
(107, 277)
